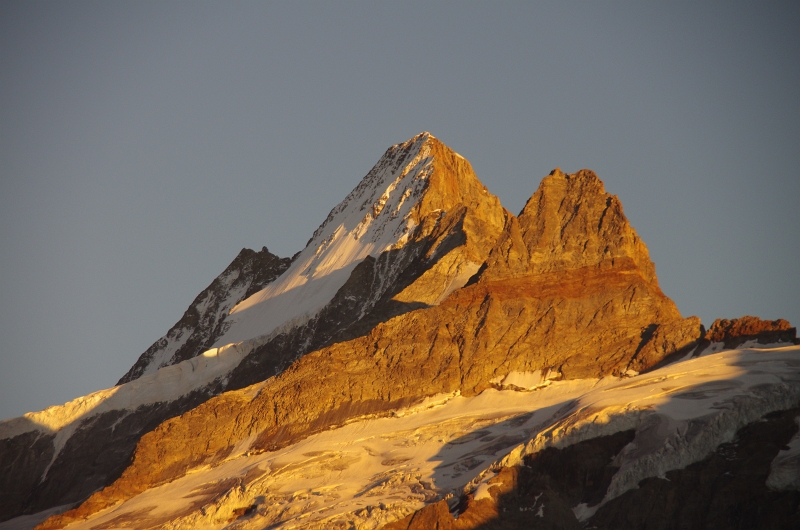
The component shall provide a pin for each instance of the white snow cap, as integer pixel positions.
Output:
(374, 217)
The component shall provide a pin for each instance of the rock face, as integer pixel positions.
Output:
(469, 295)
(734, 333)
(569, 223)
(572, 242)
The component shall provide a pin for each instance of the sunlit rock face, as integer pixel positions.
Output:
(418, 350)
(733, 333)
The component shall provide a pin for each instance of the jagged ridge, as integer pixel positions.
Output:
(206, 319)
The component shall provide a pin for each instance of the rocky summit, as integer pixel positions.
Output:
(431, 360)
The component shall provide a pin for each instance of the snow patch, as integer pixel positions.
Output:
(583, 511)
(482, 491)
(526, 380)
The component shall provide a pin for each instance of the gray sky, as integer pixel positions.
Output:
(143, 144)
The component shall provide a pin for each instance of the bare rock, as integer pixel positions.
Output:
(666, 343)
(736, 332)
(569, 223)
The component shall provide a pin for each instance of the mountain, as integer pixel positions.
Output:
(429, 354)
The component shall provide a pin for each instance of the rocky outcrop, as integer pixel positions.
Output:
(734, 333)
(567, 287)
(569, 223)
(205, 320)
(575, 233)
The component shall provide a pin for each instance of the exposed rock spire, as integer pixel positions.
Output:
(568, 223)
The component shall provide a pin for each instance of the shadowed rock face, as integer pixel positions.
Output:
(23, 459)
(566, 287)
(539, 494)
(726, 490)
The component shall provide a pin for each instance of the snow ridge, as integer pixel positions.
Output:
(210, 310)
(167, 384)
(378, 215)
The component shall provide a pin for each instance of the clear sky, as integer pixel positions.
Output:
(143, 144)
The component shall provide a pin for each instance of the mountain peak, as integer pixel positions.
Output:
(413, 186)
(570, 222)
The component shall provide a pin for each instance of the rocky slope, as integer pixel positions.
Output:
(419, 284)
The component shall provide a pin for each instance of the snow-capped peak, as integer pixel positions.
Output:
(377, 215)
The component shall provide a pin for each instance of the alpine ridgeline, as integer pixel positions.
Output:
(428, 360)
